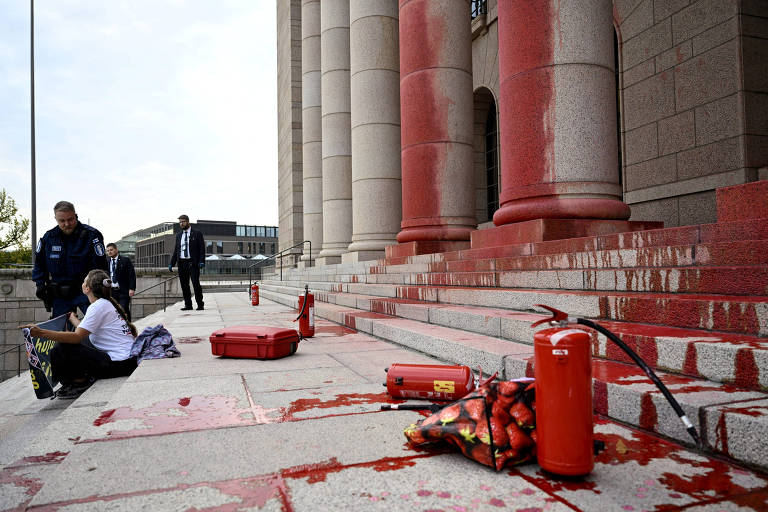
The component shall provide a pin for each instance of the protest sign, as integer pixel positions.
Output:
(39, 357)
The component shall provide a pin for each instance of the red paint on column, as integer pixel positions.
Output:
(427, 137)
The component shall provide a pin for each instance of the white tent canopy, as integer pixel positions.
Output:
(259, 257)
(212, 257)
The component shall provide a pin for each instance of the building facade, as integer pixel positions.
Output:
(418, 122)
(223, 239)
(127, 244)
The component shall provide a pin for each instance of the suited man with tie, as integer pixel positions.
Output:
(123, 278)
(189, 252)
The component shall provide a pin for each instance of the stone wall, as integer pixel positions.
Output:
(692, 121)
(18, 306)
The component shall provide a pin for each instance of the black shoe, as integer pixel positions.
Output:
(186, 308)
(199, 308)
(74, 390)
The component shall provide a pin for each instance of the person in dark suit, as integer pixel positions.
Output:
(189, 252)
(123, 278)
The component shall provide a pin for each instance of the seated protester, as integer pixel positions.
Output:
(99, 347)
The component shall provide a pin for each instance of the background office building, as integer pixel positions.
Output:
(224, 240)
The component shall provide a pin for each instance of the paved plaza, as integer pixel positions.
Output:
(305, 433)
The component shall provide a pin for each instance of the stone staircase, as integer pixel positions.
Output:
(692, 301)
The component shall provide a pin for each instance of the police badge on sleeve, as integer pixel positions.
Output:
(97, 247)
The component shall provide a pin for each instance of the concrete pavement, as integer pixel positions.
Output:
(303, 433)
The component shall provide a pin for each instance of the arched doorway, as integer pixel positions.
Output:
(486, 160)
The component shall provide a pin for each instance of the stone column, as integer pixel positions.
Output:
(337, 144)
(557, 112)
(311, 126)
(375, 91)
(437, 118)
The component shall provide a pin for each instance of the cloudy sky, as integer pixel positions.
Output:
(145, 109)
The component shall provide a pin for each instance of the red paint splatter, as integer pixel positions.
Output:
(747, 373)
(184, 401)
(648, 416)
(341, 400)
(336, 330)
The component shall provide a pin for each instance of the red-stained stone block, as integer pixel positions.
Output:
(717, 312)
(540, 230)
(426, 247)
(655, 237)
(743, 202)
(740, 252)
(470, 265)
(497, 252)
(754, 229)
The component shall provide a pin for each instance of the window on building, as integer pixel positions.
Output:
(261, 247)
(273, 249)
(491, 163)
(271, 232)
(240, 231)
(219, 247)
(239, 247)
(260, 231)
(251, 230)
(208, 247)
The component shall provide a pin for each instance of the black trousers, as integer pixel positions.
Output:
(188, 270)
(71, 362)
(124, 300)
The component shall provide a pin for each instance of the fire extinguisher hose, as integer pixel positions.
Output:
(304, 304)
(651, 375)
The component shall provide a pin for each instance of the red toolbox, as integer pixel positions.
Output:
(254, 342)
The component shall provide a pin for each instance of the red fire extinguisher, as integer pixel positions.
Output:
(306, 316)
(563, 372)
(429, 381)
(254, 294)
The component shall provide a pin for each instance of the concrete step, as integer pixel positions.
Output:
(721, 232)
(732, 421)
(727, 313)
(723, 357)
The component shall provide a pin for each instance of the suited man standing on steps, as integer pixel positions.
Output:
(189, 251)
(123, 277)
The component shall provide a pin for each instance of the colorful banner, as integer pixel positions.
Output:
(39, 357)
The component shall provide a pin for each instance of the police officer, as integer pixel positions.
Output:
(63, 258)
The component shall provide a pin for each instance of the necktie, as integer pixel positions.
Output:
(186, 245)
(112, 269)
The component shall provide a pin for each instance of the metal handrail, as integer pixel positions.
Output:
(165, 290)
(274, 257)
(17, 347)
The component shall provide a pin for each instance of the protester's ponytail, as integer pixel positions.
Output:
(101, 286)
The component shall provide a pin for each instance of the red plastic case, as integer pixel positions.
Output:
(254, 342)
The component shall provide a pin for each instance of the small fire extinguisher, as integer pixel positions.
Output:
(563, 373)
(254, 294)
(429, 381)
(306, 316)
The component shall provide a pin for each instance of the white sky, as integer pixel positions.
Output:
(145, 109)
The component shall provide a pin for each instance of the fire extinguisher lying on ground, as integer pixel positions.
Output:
(306, 316)
(429, 381)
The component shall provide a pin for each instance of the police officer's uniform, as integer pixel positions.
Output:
(62, 262)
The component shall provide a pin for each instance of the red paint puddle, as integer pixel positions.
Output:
(341, 400)
(48, 458)
(30, 485)
(198, 413)
(335, 330)
(712, 480)
(318, 472)
(250, 493)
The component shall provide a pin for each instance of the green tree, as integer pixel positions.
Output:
(13, 227)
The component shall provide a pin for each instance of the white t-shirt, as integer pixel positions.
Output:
(109, 332)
